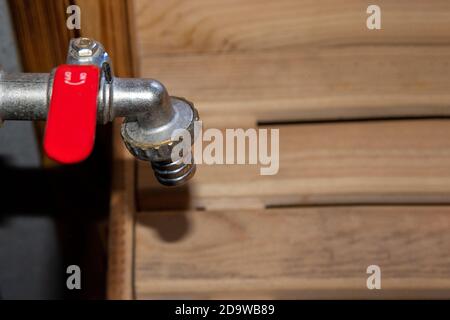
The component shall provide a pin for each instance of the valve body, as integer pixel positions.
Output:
(151, 115)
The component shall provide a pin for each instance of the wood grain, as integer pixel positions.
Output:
(41, 32)
(332, 83)
(203, 26)
(350, 162)
(293, 253)
(247, 61)
(120, 274)
(109, 22)
(244, 62)
(42, 39)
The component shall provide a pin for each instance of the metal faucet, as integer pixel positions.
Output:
(151, 115)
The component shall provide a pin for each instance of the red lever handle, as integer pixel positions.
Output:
(72, 115)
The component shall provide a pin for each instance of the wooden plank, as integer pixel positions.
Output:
(202, 26)
(42, 38)
(290, 60)
(109, 22)
(350, 162)
(310, 84)
(41, 32)
(320, 252)
(121, 222)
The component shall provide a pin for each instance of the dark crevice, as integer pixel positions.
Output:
(351, 120)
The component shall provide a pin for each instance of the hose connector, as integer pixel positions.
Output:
(152, 116)
(156, 143)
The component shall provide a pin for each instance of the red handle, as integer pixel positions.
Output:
(72, 115)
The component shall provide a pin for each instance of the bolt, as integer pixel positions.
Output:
(84, 47)
(89, 52)
(83, 42)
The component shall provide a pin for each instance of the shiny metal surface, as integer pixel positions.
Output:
(24, 96)
(151, 115)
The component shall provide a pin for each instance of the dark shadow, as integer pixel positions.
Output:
(162, 198)
(76, 198)
(170, 226)
(165, 207)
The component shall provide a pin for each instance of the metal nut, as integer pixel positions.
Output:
(83, 47)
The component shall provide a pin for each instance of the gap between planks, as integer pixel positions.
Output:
(332, 163)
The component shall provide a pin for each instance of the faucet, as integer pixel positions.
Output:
(76, 96)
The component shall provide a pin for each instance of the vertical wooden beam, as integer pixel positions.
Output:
(108, 21)
(120, 277)
(43, 37)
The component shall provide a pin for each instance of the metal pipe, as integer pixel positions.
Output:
(24, 96)
(151, 115)
(147, 99)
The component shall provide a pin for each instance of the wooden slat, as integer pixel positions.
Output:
(200, 26)
(109, 22)
(242, 62)
(43, 39)
(41, 32)
(351, 162)
(314, 83)
(294, 253)
(121, 222)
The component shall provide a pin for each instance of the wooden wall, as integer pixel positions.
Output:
(297, 60)
(43, 37)
(348, 193)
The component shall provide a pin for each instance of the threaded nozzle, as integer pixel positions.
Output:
(173, 173)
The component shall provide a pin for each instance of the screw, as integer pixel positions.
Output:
(83, 42)
(89, 52)
(84, 47)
